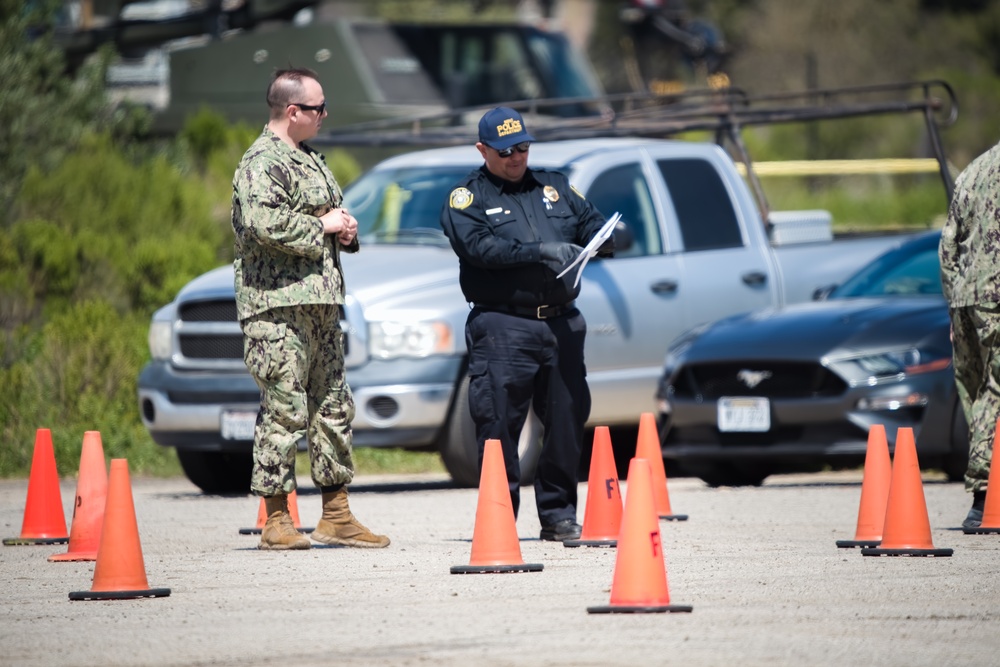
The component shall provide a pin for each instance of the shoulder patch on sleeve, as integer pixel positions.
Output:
(577, 192)
(460, 198)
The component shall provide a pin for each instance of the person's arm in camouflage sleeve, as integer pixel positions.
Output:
(268, 217)
(951, 236)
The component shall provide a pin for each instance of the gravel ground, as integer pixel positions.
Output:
(759, 566)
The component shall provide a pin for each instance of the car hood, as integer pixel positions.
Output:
(813, 330)
(378, 274)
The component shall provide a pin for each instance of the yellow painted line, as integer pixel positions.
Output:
(843, 167)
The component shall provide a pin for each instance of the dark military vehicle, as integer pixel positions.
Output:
(221, 55)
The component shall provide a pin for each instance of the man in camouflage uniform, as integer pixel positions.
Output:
(290, 228)
(970, 276)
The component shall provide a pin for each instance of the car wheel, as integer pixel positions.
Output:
(955, 462)
(217, 472)
(460, 449)
(728, 474)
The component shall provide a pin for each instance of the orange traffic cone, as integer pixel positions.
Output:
(495, 547)
(44, 521)
(874, 491)
(990, 524)
(603, 517)
(88, 510)
(293, 510)
(907, 529)
(640, 581)
(120, 573)
(648, 447)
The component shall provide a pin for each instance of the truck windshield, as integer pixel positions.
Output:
(402, 206)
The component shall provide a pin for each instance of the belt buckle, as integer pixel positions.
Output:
(538, 312)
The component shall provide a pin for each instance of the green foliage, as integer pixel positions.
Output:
(131, 231)
(81, 376)
(44, 112)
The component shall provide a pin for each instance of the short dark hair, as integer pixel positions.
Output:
(286, 88)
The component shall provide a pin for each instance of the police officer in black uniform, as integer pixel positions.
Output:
(514, 229)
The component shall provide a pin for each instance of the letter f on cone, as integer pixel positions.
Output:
(640, 581)
(603, 516)
(495, 547)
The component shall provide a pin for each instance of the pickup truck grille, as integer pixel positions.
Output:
(212, 346)
(210, 332)
(208, 311)
(786, 380)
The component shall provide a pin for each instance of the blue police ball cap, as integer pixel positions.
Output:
(502, 128)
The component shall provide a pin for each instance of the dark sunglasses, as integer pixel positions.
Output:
(521, 148)
(319, 108)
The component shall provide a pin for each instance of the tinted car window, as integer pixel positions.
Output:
(704, 208)
(913, 269)
(624, 189)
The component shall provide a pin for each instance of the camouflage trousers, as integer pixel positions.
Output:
(976, 345)
(296, 356)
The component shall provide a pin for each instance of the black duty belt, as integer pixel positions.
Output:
(533, 312)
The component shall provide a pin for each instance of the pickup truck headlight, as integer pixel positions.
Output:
(160, 339)
(390, 339)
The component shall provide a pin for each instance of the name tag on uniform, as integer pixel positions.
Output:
(491, 211)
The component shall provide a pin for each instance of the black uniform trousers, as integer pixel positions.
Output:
(514, 361)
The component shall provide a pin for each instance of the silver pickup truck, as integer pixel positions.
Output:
(699, 252)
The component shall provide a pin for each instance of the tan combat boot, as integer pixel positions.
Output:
(279, 531)
(338, 525)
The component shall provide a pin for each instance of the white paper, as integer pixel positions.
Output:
(591, 248)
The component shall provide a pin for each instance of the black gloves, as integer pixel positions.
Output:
(558, 255)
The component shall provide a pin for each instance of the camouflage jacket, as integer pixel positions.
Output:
(970, 240)
(283, 258)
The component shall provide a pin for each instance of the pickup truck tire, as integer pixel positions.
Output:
(217, 472)
(460, 450)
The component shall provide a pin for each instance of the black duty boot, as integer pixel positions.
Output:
(975, 515)
(560, 531)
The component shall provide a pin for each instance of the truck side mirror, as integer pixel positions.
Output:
(623, 236)
(821, 293)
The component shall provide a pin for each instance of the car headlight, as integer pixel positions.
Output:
(898, 363)
(160, 339)
(390, 339)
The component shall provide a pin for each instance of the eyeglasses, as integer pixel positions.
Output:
(521, 148)
(319, 108)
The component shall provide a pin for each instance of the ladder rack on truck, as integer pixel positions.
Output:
(725, 112)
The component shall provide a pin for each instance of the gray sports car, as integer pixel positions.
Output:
(797, 388)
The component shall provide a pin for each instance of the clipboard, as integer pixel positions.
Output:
(590, 249)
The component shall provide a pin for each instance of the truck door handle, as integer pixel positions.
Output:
(664, 287)
(754, 278)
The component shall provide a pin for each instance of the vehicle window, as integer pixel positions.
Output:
(403, 205)
(703, 205)
(624, 189)
(906, 272)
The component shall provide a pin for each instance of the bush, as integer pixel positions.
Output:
(79, 375)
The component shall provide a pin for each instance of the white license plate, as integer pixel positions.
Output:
(237, 424)
(744, 414)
